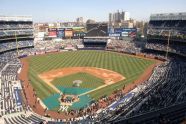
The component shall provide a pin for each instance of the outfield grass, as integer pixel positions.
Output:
(39, 85)
(129, 66)
(88, 81)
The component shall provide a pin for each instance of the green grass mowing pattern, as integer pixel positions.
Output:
(130, 67)
(109, 89)
(39, 85)
(88, 81)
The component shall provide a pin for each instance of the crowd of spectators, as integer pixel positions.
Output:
(162, 47)
(167, 24)
(13, 109)
(14, 45)
(170, 89)
(124, 46)
(159, 31)
(15, 26)
(52, 45)
(164, 88)
(16, 32)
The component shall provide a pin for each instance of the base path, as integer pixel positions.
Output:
(93, 90)
(109, 77)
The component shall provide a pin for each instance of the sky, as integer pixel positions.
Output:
(69, 10)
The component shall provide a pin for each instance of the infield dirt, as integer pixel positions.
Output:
(109, 77)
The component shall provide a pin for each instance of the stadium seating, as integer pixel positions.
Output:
(124, 46)
(23, 119)
(166, 85)
(164, 88)
(159, 31)
(13, 45)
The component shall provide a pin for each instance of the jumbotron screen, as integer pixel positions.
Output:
(97, 29)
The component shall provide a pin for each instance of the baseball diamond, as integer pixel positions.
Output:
(101, 72)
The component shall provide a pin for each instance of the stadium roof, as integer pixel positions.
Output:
(169, 16)
(15, 18)
(97, 37)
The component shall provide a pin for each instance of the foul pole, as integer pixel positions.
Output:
(17, 45)
(168, 42)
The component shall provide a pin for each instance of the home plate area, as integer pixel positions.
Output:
(73, 86)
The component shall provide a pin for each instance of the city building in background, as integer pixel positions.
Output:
(119, 16)
(128, 27)
(119, 19)
(80, 21)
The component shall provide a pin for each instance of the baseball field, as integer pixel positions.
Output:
(99, 73)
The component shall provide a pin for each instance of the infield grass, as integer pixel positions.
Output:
(88, 81)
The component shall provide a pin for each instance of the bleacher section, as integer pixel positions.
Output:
(22, 119)
(16, 39)
(171, 114)
(167, 33)
(164, 90)
(15, 33)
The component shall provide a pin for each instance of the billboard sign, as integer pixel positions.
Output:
(52, 32)
(111, 30)
(132, 34)
(68, 33)
(126, 32)
(119, 30)
(114, 35)
(61, 33)
(80, 34)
